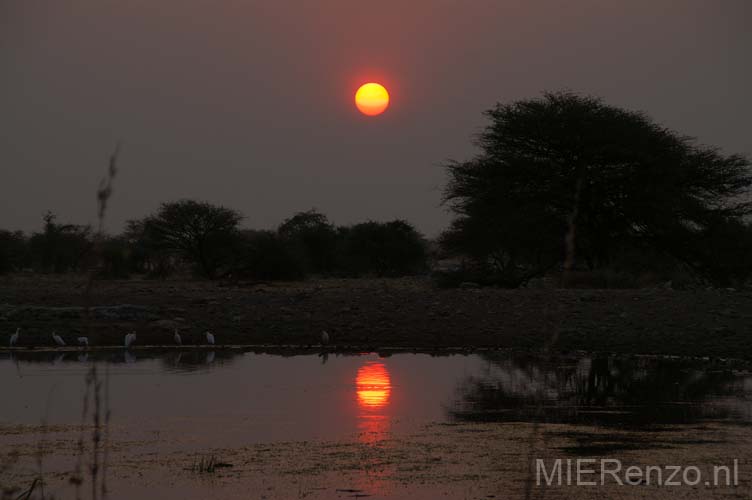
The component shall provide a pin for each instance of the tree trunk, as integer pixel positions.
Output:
(570, 240)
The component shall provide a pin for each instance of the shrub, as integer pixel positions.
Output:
(203, 234)
(13, 251)
(312, 239)
(60, 248)
(384, 249)
(265, 256)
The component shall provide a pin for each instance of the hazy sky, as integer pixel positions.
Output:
(248, 103)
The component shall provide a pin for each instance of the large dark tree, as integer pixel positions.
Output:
(206, 235)
(567, 180)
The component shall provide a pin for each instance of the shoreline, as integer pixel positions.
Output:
(353, 350)
(390, 315)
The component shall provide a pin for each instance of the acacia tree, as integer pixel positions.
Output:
(567, 180)
(200, 232)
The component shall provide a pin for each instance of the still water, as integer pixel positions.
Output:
(181, 402)
(224, 395)
(221, 398)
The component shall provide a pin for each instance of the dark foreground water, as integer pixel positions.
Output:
(181, 402)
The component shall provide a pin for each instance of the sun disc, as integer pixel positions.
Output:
(372, 99)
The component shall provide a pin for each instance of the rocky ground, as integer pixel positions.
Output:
(379, 313)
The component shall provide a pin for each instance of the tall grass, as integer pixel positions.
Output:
(100, 414)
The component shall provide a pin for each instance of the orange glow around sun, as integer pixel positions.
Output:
(372, 99)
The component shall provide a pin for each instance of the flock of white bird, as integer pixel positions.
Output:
(130, 338)
(128, 341)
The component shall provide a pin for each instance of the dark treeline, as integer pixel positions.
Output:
(563, 186)
(208, 241)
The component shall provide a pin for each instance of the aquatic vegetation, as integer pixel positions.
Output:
(208, 464)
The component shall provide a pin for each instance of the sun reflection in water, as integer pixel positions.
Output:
(374, 389)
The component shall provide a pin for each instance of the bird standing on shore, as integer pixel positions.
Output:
(209, 338)
(129, 339)
(84, 341)
(58, 339)
(14, 337)
(176, 336)
(324, 338)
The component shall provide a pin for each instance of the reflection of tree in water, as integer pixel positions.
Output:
(171, 360)
(601, 391)
(195, 360)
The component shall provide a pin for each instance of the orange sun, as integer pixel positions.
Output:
(372, 99)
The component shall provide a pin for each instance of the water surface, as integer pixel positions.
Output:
(196, 401)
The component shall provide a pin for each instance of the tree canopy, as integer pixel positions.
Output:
(202, 233)
(567, 180)
(392, 248)
(313, 240)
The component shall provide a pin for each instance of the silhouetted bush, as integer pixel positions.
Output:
(60, 248)
(13, 251)
(266, 256)
(384, 249)
(205, 235)
(312, 240)
(723, 252)
(194, 235)
(146, 256)
(115, 258)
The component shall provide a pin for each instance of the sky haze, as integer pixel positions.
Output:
(249, 103)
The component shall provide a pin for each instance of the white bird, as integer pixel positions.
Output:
(178, 340)
(324, 338)
(83, 341)
(129, 339)
(14, 337)
(58, 339)
(209, 338)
